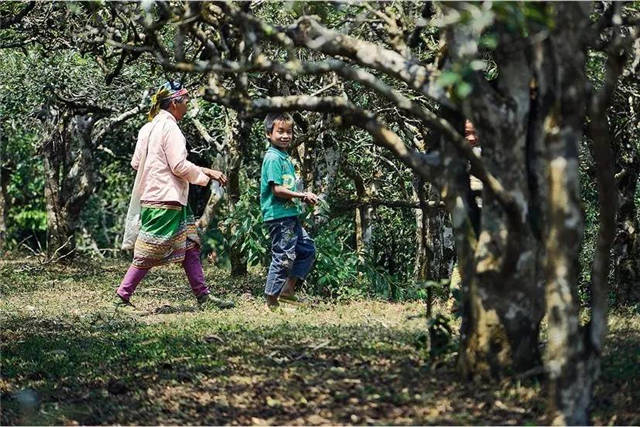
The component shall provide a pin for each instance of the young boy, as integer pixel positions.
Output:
(292, 250)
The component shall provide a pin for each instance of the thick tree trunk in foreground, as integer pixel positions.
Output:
(573, 353)
(503, 289)
(507, 299)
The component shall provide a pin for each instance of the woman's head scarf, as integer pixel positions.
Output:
(169, 90)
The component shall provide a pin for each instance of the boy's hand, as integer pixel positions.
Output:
(310, 198)
(217, 175)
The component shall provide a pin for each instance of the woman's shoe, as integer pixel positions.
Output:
(122, 302)
(207, 300)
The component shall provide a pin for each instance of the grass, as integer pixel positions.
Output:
(69, 357)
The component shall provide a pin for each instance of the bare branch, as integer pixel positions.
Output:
(309, 33)
(421, 163)
(109, 78)
(373, 201)
(82, 106)
(116, 121)
(220, 148)
(19, 43)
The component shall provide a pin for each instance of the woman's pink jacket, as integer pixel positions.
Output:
(167, 172)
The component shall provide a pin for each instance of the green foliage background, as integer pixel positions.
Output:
(28, 75)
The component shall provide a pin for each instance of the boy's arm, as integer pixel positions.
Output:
(272, 173)
(284, 193)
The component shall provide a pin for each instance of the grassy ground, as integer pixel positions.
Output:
(68, 356)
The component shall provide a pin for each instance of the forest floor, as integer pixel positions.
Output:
(68, 356)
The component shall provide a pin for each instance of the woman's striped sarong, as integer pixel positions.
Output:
(167, 231)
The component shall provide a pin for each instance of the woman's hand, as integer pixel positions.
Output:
(217, 175)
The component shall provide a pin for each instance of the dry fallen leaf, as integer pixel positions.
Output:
(211, 338)
(317, 420)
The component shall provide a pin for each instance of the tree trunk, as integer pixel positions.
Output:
(453, 183)
(502, 289)
(368, 217)
(327, 170)
(238, 132)
(362, 212)
(433, 256)
(431, 263)
(359, 232)
(602, 152)
(565, 347)
(572, 389)
(70, 172)
(4, 204)
(566, 363)
(420, 266)
(229, 160)
(69, 181)
(61, 239)
(506, 299)
(215, 197)
(307, 156)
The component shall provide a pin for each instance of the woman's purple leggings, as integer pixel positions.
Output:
(191, 265)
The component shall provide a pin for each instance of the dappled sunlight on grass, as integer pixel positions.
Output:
(79, 359)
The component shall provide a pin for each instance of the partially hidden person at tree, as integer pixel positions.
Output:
(292, 249)
(472, 139)
(167, 230)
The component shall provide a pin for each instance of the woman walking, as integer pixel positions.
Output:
(167, 232)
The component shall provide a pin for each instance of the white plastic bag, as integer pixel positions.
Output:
(216, 190)
(132, 223)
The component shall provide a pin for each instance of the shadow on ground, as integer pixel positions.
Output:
(68, 356)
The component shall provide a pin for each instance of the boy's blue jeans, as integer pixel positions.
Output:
(292, 253)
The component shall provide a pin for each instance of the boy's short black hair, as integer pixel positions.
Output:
(271, 118)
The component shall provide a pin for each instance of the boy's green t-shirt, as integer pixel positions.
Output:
(278, 168)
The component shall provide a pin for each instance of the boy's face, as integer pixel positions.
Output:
(470, 133)
(282, 134)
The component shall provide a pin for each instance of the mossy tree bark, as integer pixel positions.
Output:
(70, 172)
